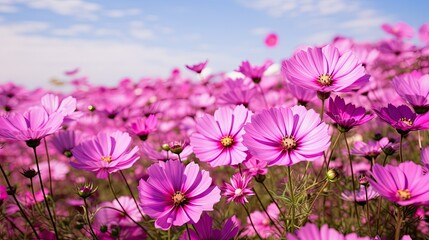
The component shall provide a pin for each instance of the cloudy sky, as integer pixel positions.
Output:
(110, 40)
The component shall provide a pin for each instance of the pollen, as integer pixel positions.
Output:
(325, 80)
(106, 159)
(238, 192)
(178, 198)
(288, 143)
(403, 194)
(407, 121)
(227, 141)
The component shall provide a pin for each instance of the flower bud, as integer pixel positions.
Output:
(103, 228)
(332, 175)
(29, 173)
(86, 190)
(165, 147)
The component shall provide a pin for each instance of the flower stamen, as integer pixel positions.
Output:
(288, 143)
(178, 198)
(403, 194)
(107, 159)
(227, 141)
(325, 80)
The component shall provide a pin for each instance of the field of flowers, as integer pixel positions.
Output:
(332, 145)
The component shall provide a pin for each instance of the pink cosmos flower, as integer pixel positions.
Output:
(33, 124)
(285, 136)
(198, 68)
(253, 72)
(204, 229)
(271, 40)
(414, 88)
(106, 153)
(262, 223)
(254, 166)
(424, 33)
(58, 169)
(238, 92)
(424, 157)
(325, 70)
(108, 216)
(65, 141)
(218, 139)
(3, 194)
(311, 231)
(175, 195)
(162, 155)
(399, 30)
(239, 188)
(346, 116)
(67, 107)
(303, 95)
(143, 127)
(368, 150)
(361, 195)
(404, 184)
(403, 119)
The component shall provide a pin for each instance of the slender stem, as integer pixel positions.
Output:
(385, 159)
(353, 178)
(400, 148)
(317, 196)
(34, 196)
(251, 221)
(398, 224)
(17, 202)
(367, 210)
(333, 149)
(239, 169)
(420, 139)
(274, 201)
(131, 192)
(122, 207)
(49, 168)
(378, 215)
(266, 212)
(195, 230)
(169, 234)
(14, 225)
(94, 236)
(44, 195)
(292, 197)
(322, 109)
(187, 229)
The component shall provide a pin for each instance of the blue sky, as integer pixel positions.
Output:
(109, 40)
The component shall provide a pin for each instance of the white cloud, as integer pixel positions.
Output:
(319, 38)
(142, 34)
(27, 27)
(152, 18)
(365, 19)
(73, 30)
(118, 13)
(259, 31)
(77, 8)
(7, 8)
(103, 61)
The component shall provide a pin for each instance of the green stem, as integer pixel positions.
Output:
(377, 226)
(400, 148)
(266, 212)
(122, 207)
(274, 201)
(353, 179)
(49, 168)
(333, 149)
(131, 192)
(398, 224)
(94, 236)
(322, 110)
(367, 210)
(44, 195)
(17, 202)
(251, 221)
(187, 229)
(292, 197)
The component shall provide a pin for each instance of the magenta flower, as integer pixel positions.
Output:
(399, 30)
(218, 139)
(271, 40)
(239, 188)
(311, 231)
(424, 157)
(143, 127)
(253, 72)
(285, 136)
(204, 229)
(303, 95)
(263, 224)
(65, 141)
(413, 88)
(198, 68)
(111, 217)
(67, 107)
(403, 119)
(360, 195)
(404, 184)
(346, 116)
(255, 167)
(106, 153)
(175, 195)
(424, 33)
(368, 150)
(325, 70)
(33, 124)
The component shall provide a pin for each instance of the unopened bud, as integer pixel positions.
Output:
(332, 175)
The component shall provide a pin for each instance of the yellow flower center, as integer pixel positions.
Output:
(404, 194)
(288, 143)
(325, 80)
(407, 121)
(106, 159)
(178, 198)
(227, 141)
